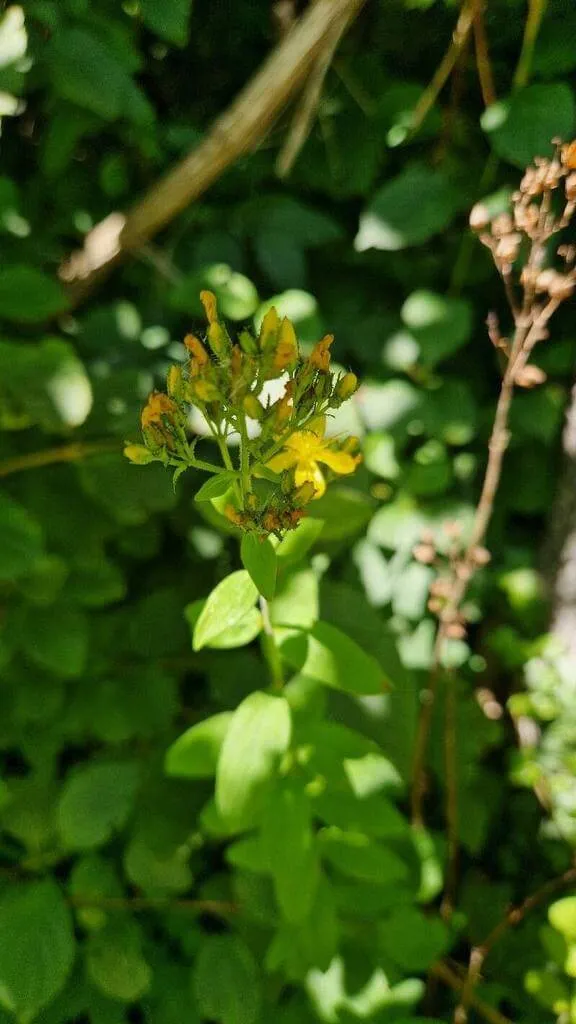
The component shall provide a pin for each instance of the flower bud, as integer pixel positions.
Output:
(218, 339)
(174, 382)
(529, 376)
(346, 387)
(253, 408)
(424, 553)
(138, 454)
(479, 217)
(320, 356)
(200, 357)
(455, 631)
(571, 187)
(286, 354)
(204, 390)
(305, 493)
(233, 515)
(208, 300)
(247, 343)
(568, 156)
(269, 330)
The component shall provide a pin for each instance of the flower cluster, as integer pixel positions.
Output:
(282, 443)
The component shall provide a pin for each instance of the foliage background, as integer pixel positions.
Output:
(119, 891)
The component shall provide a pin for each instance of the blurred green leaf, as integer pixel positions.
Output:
(406, 211)
(29, 296)
(168, 18)
(226, 981)
(257, 737)
(226, 606)
(523, 126)
(36, 947)
(195, 754)
(96, 801)
(259, 559)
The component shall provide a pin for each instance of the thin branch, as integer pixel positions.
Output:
(451, 776)
(513, 918)
(270, 647)
(237, 131)
(445, 68)
(483, 64)
(137, 903)
(65, 453)
(536, 11)
(306, 111)
(445, 973)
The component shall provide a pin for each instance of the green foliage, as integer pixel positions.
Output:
(204, 797)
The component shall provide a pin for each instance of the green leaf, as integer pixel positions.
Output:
(298, 542)
(168, 18)
(28, 296)
(562, 917)
(56, 638)
(296, 602)
(226, 981)
(289, 843)
(258, 736)
(115, 963)
(327, 654)
(195, 754)
(87, 72)
(344, 512)
(21, 545)
(413, 940)
(36, 948)
(259, 559)
(228, 603)
(408, 210)
(216, 486)
(95, 802)
(356, 855)
(46, 382)
(523, 126)
(238, 635)
(439, 325)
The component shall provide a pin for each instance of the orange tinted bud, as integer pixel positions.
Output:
(320, 356)
(208, 300)
(197, 350)
(568, 156)
(236, 362)
(233, 515)
(286, 354)
(158, 406)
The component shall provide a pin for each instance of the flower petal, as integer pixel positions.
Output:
(310, 472)
(339, 462)
(283, 460)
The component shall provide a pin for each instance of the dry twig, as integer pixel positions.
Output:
(543, 290)
(236, 132)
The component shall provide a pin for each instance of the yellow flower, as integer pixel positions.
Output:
(303, 452)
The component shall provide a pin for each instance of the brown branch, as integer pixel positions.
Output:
(64, 453)
(136, 903)
(445, 973)
(513, 918)
(237, 131)
(483, 64)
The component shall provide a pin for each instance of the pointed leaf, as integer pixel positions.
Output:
(259, 559)
(226, 981)
(290, 847)
(216, 486)
(327, 654)
(228, 603)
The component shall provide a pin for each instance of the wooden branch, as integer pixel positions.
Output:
(236, 132)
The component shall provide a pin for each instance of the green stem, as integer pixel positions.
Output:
(270, 647)
(244, 458)
(207, 467)
(536, 11)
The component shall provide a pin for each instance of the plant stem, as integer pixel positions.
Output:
(244, 459)
(64, 453)
(270, 647)
(513, 917)
(536, 11)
